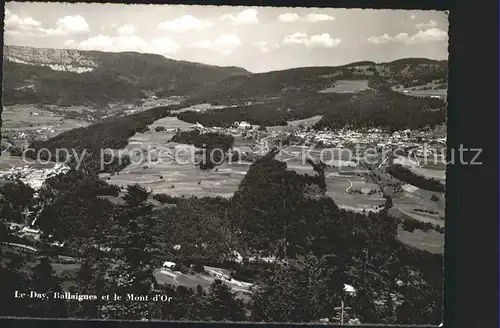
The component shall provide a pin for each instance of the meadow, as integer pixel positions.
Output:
(182, 178)
(347, 86)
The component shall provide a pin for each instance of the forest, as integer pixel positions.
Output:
(406, 175)
(111, 133)
(275, 212)
(372, 108)
(212, 144)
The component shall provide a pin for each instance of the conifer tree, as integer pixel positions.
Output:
(221, 304)
(44, 281)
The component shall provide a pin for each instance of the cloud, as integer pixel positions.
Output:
(122, 43)
(27, 26)
(70, 43)
(432, 34)
(68, 25)
(313, 18)
(248, 16)
(412, 16)
(310, 18)
(289, 17)
(421, 36)
(15, 25)
(165, 45)
(225, 44)
(428, 25)
(14, 21)
(185, 23)
(315, 41)
(127, 29)
(265, 46)
(205, 44)
(99, 42)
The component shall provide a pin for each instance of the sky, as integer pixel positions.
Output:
(258, 39)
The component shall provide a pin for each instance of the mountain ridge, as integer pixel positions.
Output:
(64, 77)
(75, 77)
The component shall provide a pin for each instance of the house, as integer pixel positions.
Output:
(349, 289)
(168, 264)
(243, 125)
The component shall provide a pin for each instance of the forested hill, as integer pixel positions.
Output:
(74, 77)
(67, 77)
(263, 86)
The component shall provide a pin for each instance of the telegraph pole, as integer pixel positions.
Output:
(342, 313)
(342, 310)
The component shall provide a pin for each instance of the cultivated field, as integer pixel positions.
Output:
(434, 173)
(182, 178)
(431, 241)
(294, 125)
(36, 122)
(425, 167)
(347, 86)
(7, 161)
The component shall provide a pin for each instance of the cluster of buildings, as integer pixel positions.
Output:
(33, 177)
(418, 143)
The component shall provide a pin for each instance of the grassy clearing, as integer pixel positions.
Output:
(36, 122)
(430, 172)
(294, 125)
(431, 241)
(347, 86)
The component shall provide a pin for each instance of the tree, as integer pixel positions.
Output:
(4, 231)
(14, 279)
(221, 304)
(44, 281)
(90, 278)
(17, 196)
(302, 291)
(136, 195)
(134, 274)
(363, 305)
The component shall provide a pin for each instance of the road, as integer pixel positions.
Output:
(165, 276)
(341, 177)
(26, 247)
(350, 184)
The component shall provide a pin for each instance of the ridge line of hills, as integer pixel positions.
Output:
(74, 77)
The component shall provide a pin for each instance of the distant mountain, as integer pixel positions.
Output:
(74, 77)
(66, 77)
(263, 86)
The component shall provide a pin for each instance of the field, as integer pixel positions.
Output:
(7, 161)
(431, 241)
(427, 167)
(428, 90)
(347, 86)
(159, 172)
(428, 93)
(293, 125)
(199, 108)
(35, 122)
(405, 208)
(430, 172)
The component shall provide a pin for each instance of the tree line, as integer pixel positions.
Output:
(404, 174)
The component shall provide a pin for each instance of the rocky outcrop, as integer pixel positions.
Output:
(57, 59)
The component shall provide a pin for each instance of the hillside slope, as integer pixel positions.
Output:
(260, 87)
(67, 77)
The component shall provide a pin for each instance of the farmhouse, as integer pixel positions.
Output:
(242, 125)
(168, 264)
